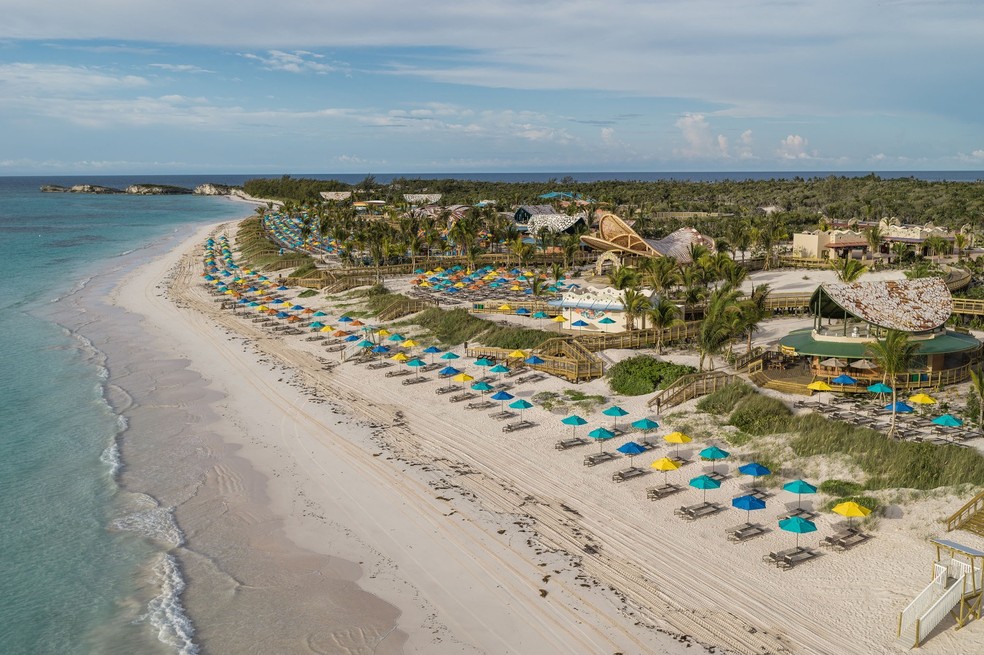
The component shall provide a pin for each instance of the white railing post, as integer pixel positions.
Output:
(932, 617)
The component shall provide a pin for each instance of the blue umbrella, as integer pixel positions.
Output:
(798, 526)
(522, 311)
(799, 487)
(380, 349)
(533, 359)
(573, 420)
(631, 449)
(899, 407)
(432, 350)
(502, 397)
(346, 319)
(748, 503)
(601, 434)
(844, 378)
(704, 482)
(352, 337)
(449, 371)
(754, 469)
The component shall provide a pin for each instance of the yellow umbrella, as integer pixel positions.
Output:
(665, 464)
(851, 509)
(262, 308)
(409, 343)
(384, 333)
(505, 307)
(922, 399)
(677, 438)
(399, 357)
(516, 354)
(515, 287)
(819, 385)
(462, 377)
(327, 328)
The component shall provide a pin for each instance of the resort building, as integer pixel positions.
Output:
(525, 212)
(621, 243)
(556, 223)
(827, 244)
(848, 317)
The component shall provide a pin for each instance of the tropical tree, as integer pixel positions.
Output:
(873, 235)
(557, 271)
(848, 270)
(623, 277)
(977, 389)
(718, 326)
(524, 251)
(937, 245)
(660, 274)
(636, 304)
(753, 310)
(662, 315)
(768, 232)
(894, 355)
(960, 241)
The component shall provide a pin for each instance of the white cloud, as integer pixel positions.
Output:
(700, 141)
(298, 61)
(181, 68)
(743, 150)
(793, 147)
(26, 79)
(608, 136)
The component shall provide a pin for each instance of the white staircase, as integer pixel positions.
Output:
(933, 603)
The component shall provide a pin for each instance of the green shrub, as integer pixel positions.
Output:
(723, 400)
(757, 414)
(840, 488)
(307, 293)
(457, 326)
(644, 374)
(737, 438)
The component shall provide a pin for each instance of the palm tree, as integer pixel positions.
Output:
(894, 355)
(873, 235)
(557, 271)
(899, 249)
(960, 241)
(848, 270)
(524, 251)
(937, 245)
(636, 304)
(753, 311)
(659, 274)
(623, 277)
(717, 328)
(977, 388)
(662, 315)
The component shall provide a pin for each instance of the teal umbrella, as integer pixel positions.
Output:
(704, 482)
(948, 421)
(798, 526)
(799, 487)
(417, 364)
(601, 434)
(645, 424)
(714, 453)
(573, 420)
(615, 411)
(482, 386)
(521, 405)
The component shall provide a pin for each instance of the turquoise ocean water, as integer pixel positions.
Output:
(76, 561)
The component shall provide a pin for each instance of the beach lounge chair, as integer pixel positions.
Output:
(443, 390)
(485, 404)
(716, 475)
(776, 557)
(800, 512)
(574, 442)
(758, 492)
(698, 511)
(468, 395)
(628, 474)
(790, 561)
(745, 532)
(849, 541)
(662, 491)
(515, 371)
(518, 425)
(503, 415)
(417, 379)
(398, 373)
(335, 349)
(378, 365)
(430, 367)
(598, 458)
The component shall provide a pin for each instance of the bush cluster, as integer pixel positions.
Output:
(723, 400)
(757, 415)
(644, 374)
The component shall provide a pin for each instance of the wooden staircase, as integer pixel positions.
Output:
(404, 307)
(690, 386)
(970, 517)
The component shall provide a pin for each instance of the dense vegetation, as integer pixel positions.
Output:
(644, 374)
(257, 248)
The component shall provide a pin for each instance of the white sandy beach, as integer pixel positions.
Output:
(471, 540)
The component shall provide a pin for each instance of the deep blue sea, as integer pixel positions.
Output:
(73, 565)
(80, 568)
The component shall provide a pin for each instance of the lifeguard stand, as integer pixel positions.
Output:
(956, 589)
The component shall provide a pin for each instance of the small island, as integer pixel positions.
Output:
(142, 189)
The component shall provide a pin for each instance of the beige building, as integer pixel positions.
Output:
(826, 244)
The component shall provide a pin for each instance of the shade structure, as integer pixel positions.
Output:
(462, 378)
(646, 425)
(448, 371)
(862, 365)
(380, 349)
(399, 357)
(482, 386)
(798, 526)
(799, 487)
(754, 469)
(417, 364)
(601, 435)
(851, 510)
(899, 407)
(880, 387)
(448, 356)
(714, 454)
(409, 343)
(522, 405)
(534, 360)
(430, 350)
(704, 483)
(606, 321)
(631, 449)
(665, 464)
(948, 421)
(833, 362)
(516, 354)
(615, 411)
(922, 399)
(748, 503)
(502, 397)
(844, 379)
(573, 420)
(484, 363)
(677, 438)
(499, 369)
(819, 385)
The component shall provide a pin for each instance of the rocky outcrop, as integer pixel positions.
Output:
(156, 190)
(53, 188)
(213, 190)
(92, 188)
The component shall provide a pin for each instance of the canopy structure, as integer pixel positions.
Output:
(614, 234)
(919, 305)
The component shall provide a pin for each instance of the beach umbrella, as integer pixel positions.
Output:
(819, 385)
(665, 464)
(505, 307)
(922, 399)
(833, 362)
(631, 449)
(559, 320)
(615, 411)
(851, 510)
(417, 364)
(748, 503)
(502, 397)
(499, 369)
(522, 311)
(516, 354)
(484, 387)
(677, 438)
(396, 337)
(431, 350)
(713, 454)
(409, 343)
(352, 337)
(948, 421)
(645, 424)
(600, 435)
(384, 332)
(483, 362)
(798, 526)
(399, 357)
(449, 356)
(880, 387)
(462, 378)
(380, 349)
(573, 420)
(704, 483)
(899, 407)
(754, 469)
(319, 313)
(799, 487)
(346, 319)
(317, 325)
(522, 405)
(534, 360)
(844, 378)
(579, 324)
(862, 365)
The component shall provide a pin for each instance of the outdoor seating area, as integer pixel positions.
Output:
(845, 539)
(599, 458)
(745, 531)
(574, 442)
(791, 557)
(910, 424)
(663, 491)
(629, 473)
(518, 425)
(698, 511)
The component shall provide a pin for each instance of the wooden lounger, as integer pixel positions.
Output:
(415, 380)
(335, 349)
(699, 511)
(598, 458)
(745, 532)
(518, 425)
(503, 415)
(443, 390)
(564, 444)
(468, 395)
(662, 491)
(805, 555)
(800, 512)
(850, 541)
(485, 404)
(378, 365)
(628, 474)
(398, 373)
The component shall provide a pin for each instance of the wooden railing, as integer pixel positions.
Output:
(745, 359)
(689, 387)
(493, 307)
(964, 514)
(560, 356)
(968, 306)
(639, 338)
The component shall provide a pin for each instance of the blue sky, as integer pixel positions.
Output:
(123, 86)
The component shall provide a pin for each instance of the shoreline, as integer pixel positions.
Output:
(484, 486)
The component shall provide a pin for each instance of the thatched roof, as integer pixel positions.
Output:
(909, 305)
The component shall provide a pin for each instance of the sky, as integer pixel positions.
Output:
(456, 86)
